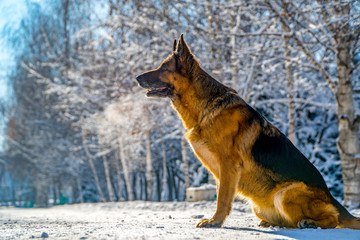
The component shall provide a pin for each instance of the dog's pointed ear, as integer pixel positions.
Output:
(182, 48)
(186, 61)
(174, 46)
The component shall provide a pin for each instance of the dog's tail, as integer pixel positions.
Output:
(346, 220)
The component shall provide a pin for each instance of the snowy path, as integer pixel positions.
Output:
(145, 220)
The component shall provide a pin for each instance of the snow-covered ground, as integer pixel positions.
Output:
(147, 220)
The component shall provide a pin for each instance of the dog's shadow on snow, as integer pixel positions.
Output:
(308, 234)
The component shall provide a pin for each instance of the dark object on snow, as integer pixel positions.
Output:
(44, 235)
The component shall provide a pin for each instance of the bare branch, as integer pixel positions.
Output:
(325, 74)
(33, 72)
(354, 68)
(277, 34)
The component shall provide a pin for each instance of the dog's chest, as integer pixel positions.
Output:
(203, 152)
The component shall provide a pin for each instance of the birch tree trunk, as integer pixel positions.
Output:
(54, 192)
(125, 170)
(186, 164)
(118, 175)
(290, 85)
(234, 61)
(108, 179)
(149, 173)
(78, 183)
(164, 165)
(41, 190)
(65, 5)
(348, 140)
(93, 170)
(212, 39)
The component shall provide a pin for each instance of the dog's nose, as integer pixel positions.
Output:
(138, 77)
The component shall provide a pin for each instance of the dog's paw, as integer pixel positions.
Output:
(209, 223)
(263, 223)
(306, 224)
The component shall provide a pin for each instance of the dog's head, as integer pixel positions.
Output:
(174, 73)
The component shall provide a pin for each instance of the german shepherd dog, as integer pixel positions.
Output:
(246, 154)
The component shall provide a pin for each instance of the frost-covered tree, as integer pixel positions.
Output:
(327, 33)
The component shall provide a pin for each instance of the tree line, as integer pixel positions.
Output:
(79, 129)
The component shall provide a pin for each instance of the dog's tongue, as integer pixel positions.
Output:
(157, 89)
(157, 92)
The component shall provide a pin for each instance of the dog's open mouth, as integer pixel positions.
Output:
(158, 92)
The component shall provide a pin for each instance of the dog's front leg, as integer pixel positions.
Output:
(227, 189)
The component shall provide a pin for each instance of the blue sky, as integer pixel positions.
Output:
(11, 12)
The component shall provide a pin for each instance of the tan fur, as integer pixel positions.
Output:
(222, 133)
